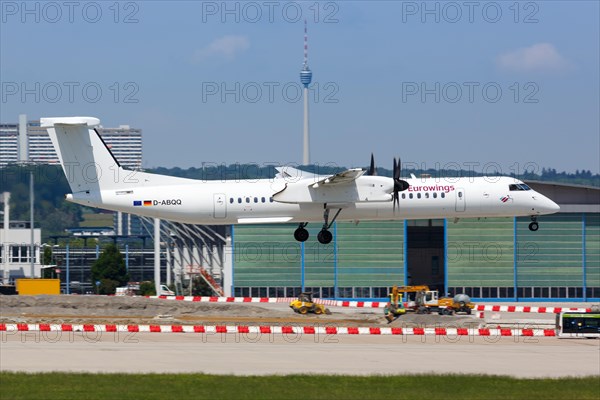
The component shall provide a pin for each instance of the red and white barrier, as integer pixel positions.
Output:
(365, 304)
(215, 299)
(529, 309)
(281, 330)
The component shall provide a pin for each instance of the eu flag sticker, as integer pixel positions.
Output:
(137, 203)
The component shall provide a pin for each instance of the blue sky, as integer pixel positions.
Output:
(439, 83)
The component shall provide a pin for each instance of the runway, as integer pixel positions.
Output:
(262, 354)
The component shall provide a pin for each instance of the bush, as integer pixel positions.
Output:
(147, 288)
(108, 286)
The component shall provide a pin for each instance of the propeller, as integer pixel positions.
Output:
(400, 185)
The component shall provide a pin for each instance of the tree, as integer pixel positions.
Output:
(47, 260)
(47, 256)
(110, 266)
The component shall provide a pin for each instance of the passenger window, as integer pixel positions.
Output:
(262, 199)
(247, 199)
(231, 200)
(403, 195)
(256, 199)
(410, 195)
(426, 195)
(435, 195)
(270, 199)
(239, 200)
(460, 194)
(443, 195)
(418, 195)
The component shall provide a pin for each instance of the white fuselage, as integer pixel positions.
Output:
(241, 202)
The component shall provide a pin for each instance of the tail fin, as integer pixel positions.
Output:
(87, 162)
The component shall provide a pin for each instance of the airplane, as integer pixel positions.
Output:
(98, 180)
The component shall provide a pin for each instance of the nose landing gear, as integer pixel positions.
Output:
(533, 226)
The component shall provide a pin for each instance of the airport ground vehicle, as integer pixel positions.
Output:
(305, 304)
(395, 307)
(133, 288)
(572, 324)
(422, 300)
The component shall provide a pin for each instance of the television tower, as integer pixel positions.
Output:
(305, 79)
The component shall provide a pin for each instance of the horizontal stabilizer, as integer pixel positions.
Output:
(50, 122)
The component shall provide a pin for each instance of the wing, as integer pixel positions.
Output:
(343, 189)
(341, 178)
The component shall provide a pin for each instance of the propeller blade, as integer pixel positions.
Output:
(372, 170)
(400, 185)
(396, 175)
(399, 169)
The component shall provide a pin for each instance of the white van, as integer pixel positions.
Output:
(165, 291)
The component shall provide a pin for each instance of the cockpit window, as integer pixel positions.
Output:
(518, 186)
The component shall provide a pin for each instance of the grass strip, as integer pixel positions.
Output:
(201, 386)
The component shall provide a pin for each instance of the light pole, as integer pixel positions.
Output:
(68, 277)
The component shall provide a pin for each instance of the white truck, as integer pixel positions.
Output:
(132, 290)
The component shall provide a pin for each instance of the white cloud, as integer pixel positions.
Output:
(538, 57)
(226, 47)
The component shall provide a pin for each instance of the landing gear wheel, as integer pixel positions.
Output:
(533, 226)
(301, 235)
(325, 237)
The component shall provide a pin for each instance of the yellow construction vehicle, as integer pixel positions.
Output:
(305, 304)
(424, 301)
(395, 307)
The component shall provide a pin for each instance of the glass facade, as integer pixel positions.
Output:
(480, 254)
(552, 256)
(592, 255)
(362, 260)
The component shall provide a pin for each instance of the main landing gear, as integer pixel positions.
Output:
(324, 236)
(301, 234)
(533, 226)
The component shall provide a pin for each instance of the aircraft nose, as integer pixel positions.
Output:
(554, 208)
(546, 206)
